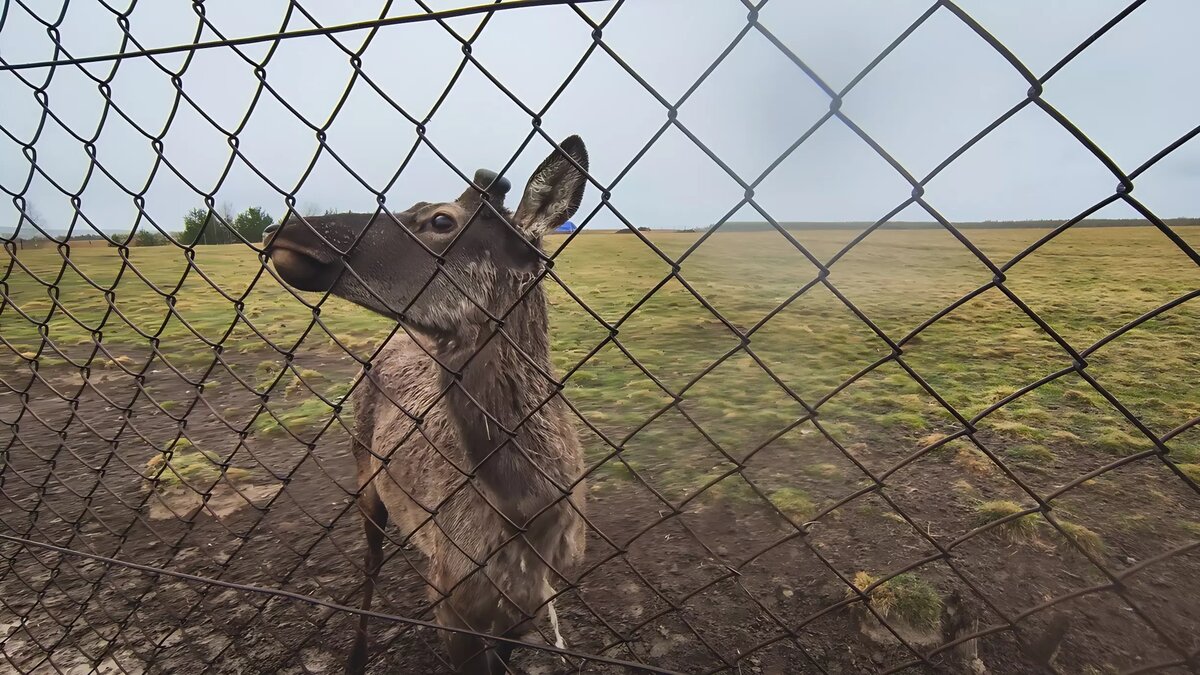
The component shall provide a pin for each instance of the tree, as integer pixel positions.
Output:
(220, 230)
(251, 223)
(33, 217)
(149, 238)
(32, 212)
(193, 226)
(202, 226)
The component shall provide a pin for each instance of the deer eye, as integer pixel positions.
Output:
(442, 223)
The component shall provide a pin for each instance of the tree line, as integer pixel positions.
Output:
(218, 226)
(200, 226)
(211, 226)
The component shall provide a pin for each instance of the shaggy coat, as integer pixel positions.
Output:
(461, 438)
(491, 576)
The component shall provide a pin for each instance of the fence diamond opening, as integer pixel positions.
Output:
(179, 492)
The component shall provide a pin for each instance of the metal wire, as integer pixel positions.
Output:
(100, 595)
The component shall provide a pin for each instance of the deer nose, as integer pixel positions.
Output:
(492, 182)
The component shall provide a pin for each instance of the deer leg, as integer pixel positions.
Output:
(470, 654)
(375, 517)
(504, 652)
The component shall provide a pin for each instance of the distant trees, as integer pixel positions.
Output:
(145, 237)
(251, 223)
(200, 226)
(195, 227)
(203, 226)
(149, 238)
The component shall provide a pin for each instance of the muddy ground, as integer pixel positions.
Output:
(715, 586)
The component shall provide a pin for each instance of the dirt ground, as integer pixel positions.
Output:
(715, 585)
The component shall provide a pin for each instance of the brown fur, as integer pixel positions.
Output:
(461, 437)
(419, 473)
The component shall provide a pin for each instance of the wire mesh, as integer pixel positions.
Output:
(129, 548)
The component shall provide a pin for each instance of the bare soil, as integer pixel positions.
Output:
(719, 584)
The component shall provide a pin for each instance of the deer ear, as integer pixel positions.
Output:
(554, 191)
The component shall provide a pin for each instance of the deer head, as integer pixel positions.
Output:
(436, 265)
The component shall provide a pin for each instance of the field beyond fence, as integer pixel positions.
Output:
(1086, 283)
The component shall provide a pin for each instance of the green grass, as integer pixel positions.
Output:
(1015, 428)
(1035, 454)
(272, 310)
(1192, 471)
(306, 415)
(1027, 528)
(183, 463)
(905, 596)
(1188, 454)
(1084, 284)
(794, 503)
(1023, 528)
(1086, 539)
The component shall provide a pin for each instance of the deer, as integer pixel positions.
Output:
(461, 437)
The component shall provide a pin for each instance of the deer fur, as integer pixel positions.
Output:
(461, 438)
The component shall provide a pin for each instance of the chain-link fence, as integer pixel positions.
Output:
(724, 450)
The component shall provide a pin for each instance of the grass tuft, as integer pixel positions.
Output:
(1015, 428)
(1191, 471)
(301, 381)
(1120, 442)
(1087, 539)
(307, 414)
(184, 463)
(1038, 454)
(1023, 528)
(1065, 436)
(974, 461)
(821, 470)
(964, 488)
(795, 504)
(929, 439)
(122, 360)
(614, 470)
(265, 372)
(1089, 396)
(905, 596)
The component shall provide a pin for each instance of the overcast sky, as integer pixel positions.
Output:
(1133, 92)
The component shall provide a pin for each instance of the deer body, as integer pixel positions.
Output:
(455, 525)
(460, 436)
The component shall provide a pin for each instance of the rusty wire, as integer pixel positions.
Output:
(72, 571)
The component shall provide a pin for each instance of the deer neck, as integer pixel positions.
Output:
(499, 403)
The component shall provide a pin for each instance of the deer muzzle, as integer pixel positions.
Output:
(301, 258)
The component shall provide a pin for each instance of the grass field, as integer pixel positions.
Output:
(1084, 284)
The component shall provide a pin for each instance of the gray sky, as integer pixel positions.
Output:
(1133, 92)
